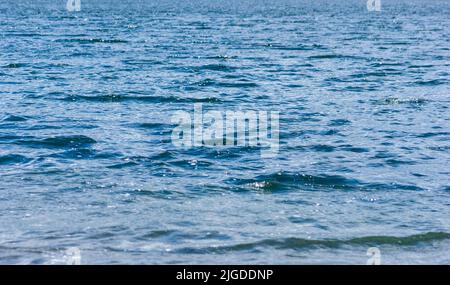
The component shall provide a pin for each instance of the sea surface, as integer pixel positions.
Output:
(87, 161)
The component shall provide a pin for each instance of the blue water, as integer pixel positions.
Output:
(86, 158)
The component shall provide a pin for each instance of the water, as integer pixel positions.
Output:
(87, 162)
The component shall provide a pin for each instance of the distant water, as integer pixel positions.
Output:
(86, 159)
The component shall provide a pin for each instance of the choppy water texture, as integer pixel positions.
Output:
(86, 158)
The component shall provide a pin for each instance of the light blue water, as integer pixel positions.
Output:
(86, 158)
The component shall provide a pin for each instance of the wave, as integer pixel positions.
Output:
(335, 56)
(433, 134)
(284, 181)
(13, 159)
(74, 141)
(209, 82)
(433, 82)
(151, 126)
(216, 67)
(395, 101)
(93, 41)
(13, 118)
(146, 99)
(154, 160)
(142, 62)
(300, 243)
(15, 65)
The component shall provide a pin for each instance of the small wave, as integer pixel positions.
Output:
(433, 82)
(354, 149)
(164, 155)
(191, 163)
(76, 154)
(397, 162)
(322, 148)
(123, 165)
(157, 234)
(334, 56)
(160, 194)
(157, 159)
(433, 134)
(299, 243)
(209, 82)
(15, 65)
(25, 35)
(92, 41)
(75, 141)
(151, 126)
(294, 48)
(376, 74)
(216, 67)
(12, 138)
(395, 101)
(384, 64)
(283, 181)
(221, 57)
(13, 118)
(396, 43)
(339, 122)
(178, 235)
(439, 148)
(146, 99)
(142, 62)
(414, 66)
(13, 159)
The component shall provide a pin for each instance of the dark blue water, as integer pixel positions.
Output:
(86, 158)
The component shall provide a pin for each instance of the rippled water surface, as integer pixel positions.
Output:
(86, 158)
